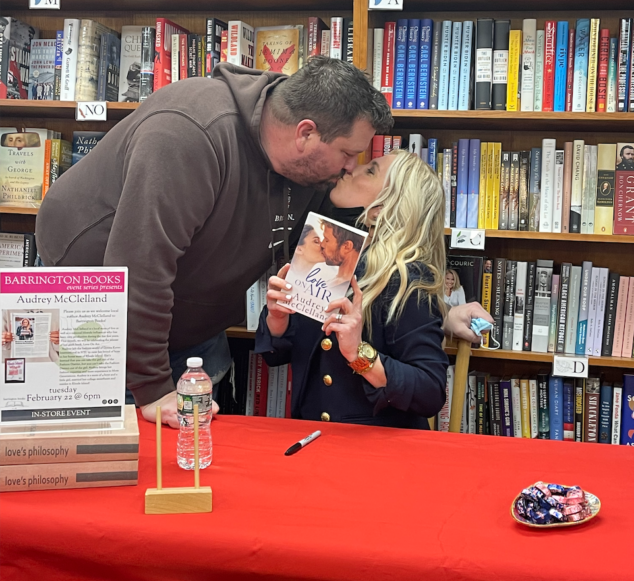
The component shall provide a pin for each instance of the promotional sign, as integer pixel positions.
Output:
(63, 344)
(565, 366)
(467, 239)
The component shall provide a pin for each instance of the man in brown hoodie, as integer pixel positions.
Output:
(196, 192)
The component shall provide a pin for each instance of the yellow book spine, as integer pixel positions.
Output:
(490, 186)
(526, 408)
(497, 160)
(604, 205)
(439, 166)
(487, 282)
(512, 79)
(482, 193)
(593, 55)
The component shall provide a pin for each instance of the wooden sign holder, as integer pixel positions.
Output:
(181, 500)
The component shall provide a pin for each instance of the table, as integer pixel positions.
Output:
(358, 503)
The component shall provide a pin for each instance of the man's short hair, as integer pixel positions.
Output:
(624, 148)
(342, 235)
(334, 95)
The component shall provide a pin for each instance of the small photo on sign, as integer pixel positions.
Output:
(14, 370)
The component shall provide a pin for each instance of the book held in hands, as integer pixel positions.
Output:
(323, 265)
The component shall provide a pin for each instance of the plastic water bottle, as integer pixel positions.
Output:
(194, 387)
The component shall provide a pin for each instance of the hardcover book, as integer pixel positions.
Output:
(15, 58)
(109, 61)
(279, 49)
(315, 285)
(16, 250)
(467, 283)
(162, 54)
(88, 53)
(624, 189)
(84, 142)
(627, 417)
(541, 309)
(42, 70)
(130, 64)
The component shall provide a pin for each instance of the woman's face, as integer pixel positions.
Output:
(449, 281)
(26, 323)
(311, 248)
(363, 185)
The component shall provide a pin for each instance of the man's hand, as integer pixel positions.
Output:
(7, 337)
(168, 410)
(458, 321)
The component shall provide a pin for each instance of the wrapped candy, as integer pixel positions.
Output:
(552, 503)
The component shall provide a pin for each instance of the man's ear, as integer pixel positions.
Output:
(347, 246)
(305, 131)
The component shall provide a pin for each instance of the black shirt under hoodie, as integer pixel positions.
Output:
(183, 194)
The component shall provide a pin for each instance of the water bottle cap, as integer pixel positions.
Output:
(194, 362)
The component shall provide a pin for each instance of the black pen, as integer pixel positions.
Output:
(299, 445)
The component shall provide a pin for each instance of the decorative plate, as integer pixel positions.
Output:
(593, 505)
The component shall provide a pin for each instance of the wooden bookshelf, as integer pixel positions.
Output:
(207, 6)
(240, 333)
(18, 210)
(555, 237)
(57, 109)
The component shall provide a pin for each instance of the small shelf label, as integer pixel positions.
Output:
(467, 239)
(91, 111)
(44, 4)
(569, 366)
(385, 4)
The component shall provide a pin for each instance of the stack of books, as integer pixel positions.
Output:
(41, 457)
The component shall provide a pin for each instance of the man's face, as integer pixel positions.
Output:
(322, 164)
(17, 140)
(628, 154)
(330, 248)
(543, 278)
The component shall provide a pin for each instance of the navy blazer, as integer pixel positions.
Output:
(324, 386)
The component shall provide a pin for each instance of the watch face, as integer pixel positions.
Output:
(367, 351)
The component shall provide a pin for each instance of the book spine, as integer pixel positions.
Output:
(175, 58)
(509, 304)
(527, 94)
(520, 302)
(630, 106)
(454, 66)
(570, 70)
(612, 76)
(602, 72)
(466, 67)
(432, 153)
(501, 65)
(553, 314)
(497, 308)
(534, 188)
(547, 185)
(627, 418)
(47, 167)
(517, 407)
(148, 42)
(576, 193)
(473, 184)
(514, 186)
(593, 299)
(512, 93)
(559, 191)
(447, 160)
(609, 325)
(568, 411)
(550, 33)
(387, 76)
(490, 193)
(484, 62)
(523, 190)
(539, 70)
(444, 413)
(604, 203)
(628, 332)
(336, 40)
(621, 311)
(617, 406)
(69, 65)
(565, 209)
(543, 415)
(505, 179)
(481, 401)
(581, 65)
(555, 405)
(445, 65)
(400, 64)
(377, 56)
(497, 165)
(591, 404)
(564, 288)
(532, 390)
(272, 392)
(424, 62)
(59, 61)
(600, 320)
(561, 62)
(605, 414)
(487, 283)
(183, 57)
(527, 340)
(572, 321)
(454, 183)
(413, 50)
(68, 475)
(506, 408)
(593, 54)
(434, 73)
(541, 309)
(579, 391)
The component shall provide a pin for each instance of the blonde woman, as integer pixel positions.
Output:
(454, 291)
(379, 362)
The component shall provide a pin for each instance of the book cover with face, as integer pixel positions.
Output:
(279, 49)
(324, 262)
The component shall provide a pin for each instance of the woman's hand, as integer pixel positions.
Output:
(54, 337)
(278, 290)
(348, 324)
(7, 337)
(458, 321)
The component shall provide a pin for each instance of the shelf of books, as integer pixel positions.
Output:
(57, 109)
(555, 236)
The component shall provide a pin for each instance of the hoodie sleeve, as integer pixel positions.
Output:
(170, 178)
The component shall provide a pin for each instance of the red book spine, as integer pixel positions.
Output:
(182, 54)
(289, 389)
(602, 77)
(396, 142)
(550, 34)
(621, 310)
(261, 387)
(377, 146)
(387, 74)
(624, 203)
(163, 51)
(570, 72)
(224, 42)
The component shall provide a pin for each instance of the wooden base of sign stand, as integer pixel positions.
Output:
(182, 500)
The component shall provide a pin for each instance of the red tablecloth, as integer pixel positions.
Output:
(358, 503)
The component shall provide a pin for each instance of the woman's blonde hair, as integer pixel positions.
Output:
(456, 279)
(409, 228)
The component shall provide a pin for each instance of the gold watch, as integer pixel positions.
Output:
(366, 356)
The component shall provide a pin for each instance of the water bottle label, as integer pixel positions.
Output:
(186, 403)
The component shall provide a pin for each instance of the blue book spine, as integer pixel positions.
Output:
(555, 407)
(454, 68)
(464, 90)
(413, 49)
(432, 152)
(580, 79)
(474, 183)
(605, 414)
(424, 62)
(569, 411)
(506, 411)
(584, 301)
(462, 183)
(400, 64)
(561, 66)
(445, 58)
(627, 414)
